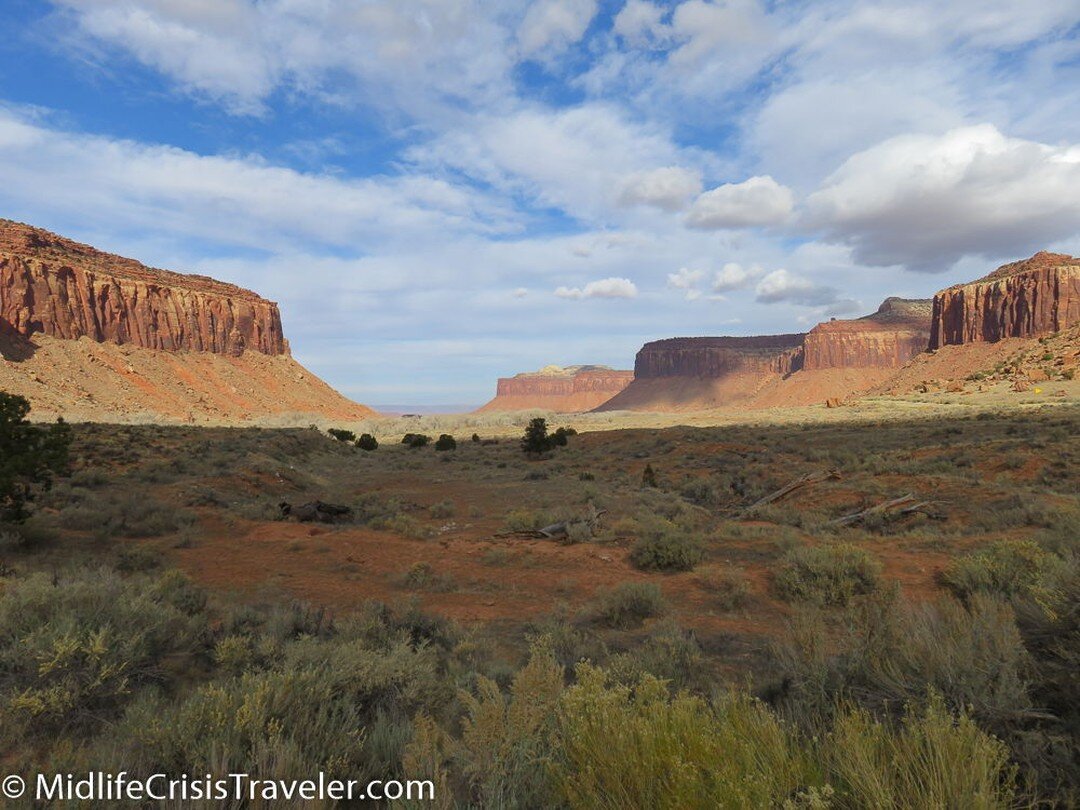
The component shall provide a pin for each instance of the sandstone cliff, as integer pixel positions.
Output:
(888, 338)
(832, 361)
(91, 336)
(54, 286)
(1029, 298)
(562, 390)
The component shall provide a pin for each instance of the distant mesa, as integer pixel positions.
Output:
(562, 389)
(833, 360)
(91, 335)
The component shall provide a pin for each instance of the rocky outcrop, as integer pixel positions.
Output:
(832, 361)
(563, 390)
(888, 338)
(1030, 298)
(95, 337)
(54, 286)
(718, 356)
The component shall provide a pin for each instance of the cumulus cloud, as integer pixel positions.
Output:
(669, 188)
(686, 279)
(603, 288)
(925, 201)
(757, 201)
(780, 286)
(554, 24)
(733, 276)
(638, 21)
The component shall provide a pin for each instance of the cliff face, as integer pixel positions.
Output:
(54, 286)
(889, 338)
(1029, 298)
(572, 389)
(833, 360)
(718, 356)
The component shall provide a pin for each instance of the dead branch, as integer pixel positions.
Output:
(561, 529)
(905, 503)
(798, 483)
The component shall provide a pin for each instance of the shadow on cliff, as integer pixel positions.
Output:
(13, 346)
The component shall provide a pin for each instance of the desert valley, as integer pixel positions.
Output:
(760, 488)
(715, 515)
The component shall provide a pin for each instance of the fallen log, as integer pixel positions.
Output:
(798, 483)
(560, 530)
(315, 512)
(907, 504)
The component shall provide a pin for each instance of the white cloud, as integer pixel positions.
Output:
(733, 276)
(235, 200)
(669, 188)
(576, 159)
(782, 286)
(520, 292)
(757, 201)
(924, 201)
(604, 288)
(554, 24)
(686, 279)
(411, 54)
(638, 21)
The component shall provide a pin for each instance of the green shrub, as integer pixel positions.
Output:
(422, 576)
(415, 440)
(1006, 568)
(666, 547)
(728, 588)
(536, 439)
(342, 435)
(933, 760)
(638, 747)
(367, 442)
(72, 653)
(446, 442)
(628, 604)
(442, 509)
(827, 574)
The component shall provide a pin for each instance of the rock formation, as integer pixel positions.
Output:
(888, 338)
(555, 388)
(56, 287)
(1029, 298)
(91, 336)
(832, 361)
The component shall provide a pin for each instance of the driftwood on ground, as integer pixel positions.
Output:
(560, 530)
(315, 512)
(800, 482)
(904, 505)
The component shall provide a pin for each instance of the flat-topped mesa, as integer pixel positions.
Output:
(718, 356)
(888, 338)
(557, 388)
(61, 288)
(1030, 298)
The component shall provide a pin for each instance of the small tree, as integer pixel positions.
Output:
(367, 442)
(415, 440)
(648, 477)
(342, 435)
(536, 439)
(446, 442)
(29, 456)
(476, 438)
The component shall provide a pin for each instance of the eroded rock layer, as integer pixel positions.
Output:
(563, 390)
(1030, 298)
(54, 286)
(832, 361)
(888, 338)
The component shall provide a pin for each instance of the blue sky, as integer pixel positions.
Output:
(441, 192)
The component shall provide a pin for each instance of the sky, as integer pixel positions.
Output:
(442, 192)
